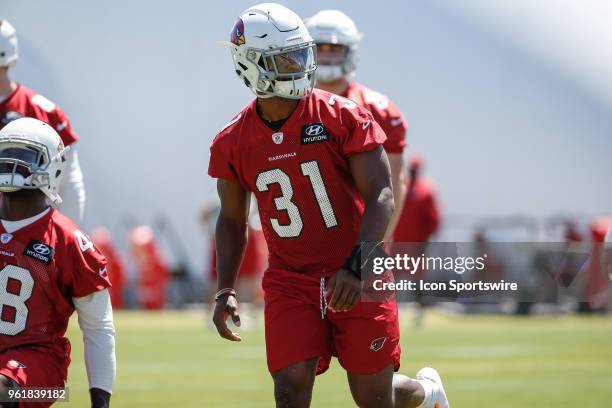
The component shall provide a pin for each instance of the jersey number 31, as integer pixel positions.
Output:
(293, 229)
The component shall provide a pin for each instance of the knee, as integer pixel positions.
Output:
(373, 399)
(406, 392)
(293, 383)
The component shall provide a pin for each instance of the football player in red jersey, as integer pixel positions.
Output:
(337, 39)
(315, 164)
(16, 101)
(48, 269)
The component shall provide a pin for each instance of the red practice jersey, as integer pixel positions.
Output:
(385, 113)
(25, 102)
(420, 217)
(309, 206)
(43, 266)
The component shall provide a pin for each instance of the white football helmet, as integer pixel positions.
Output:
(8, 44)
(335, 27)
(273, 53)
(32, 156)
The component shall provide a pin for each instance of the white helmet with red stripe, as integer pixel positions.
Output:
(32, 156)
(8, 44)
(273, 53)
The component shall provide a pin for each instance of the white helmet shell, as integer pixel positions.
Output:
(31, 145)
(8, 44)
(273, 52)
(335, 27)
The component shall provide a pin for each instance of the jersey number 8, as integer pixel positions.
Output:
(15, 301)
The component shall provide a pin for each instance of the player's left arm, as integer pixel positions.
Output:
(95, 315)
(371, 174)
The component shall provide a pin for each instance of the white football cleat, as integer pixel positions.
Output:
(430, 374)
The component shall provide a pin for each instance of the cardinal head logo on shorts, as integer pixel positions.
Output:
(278, 137)
(378, 343)
(15, 364)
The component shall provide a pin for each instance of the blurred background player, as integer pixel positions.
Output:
(315, 164)
(337, 40)
(607, 258)
(419, 218)
(597, 285)
(49, 270)
(153, 272)
(16, 101)
(101, 238)
(418, 221)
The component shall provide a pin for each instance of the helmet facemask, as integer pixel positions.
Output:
(286, 72)
(29, 165)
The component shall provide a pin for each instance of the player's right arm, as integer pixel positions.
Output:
(231, 238)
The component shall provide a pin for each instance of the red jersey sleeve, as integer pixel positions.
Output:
(364, 133)
(395, 126)
(385, 112)
(220, 165)
(59, 121)
(89, 272)
(51, 113)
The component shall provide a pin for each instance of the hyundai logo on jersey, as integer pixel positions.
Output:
(313, 133)
(39, 251)
(42, 249)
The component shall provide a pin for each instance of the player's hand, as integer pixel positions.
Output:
(345, 291)
(225, 307)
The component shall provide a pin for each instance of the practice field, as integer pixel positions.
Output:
(175, 359)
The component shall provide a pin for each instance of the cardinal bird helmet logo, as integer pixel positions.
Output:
(238, 33)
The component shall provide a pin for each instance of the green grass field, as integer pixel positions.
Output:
(174, 359)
